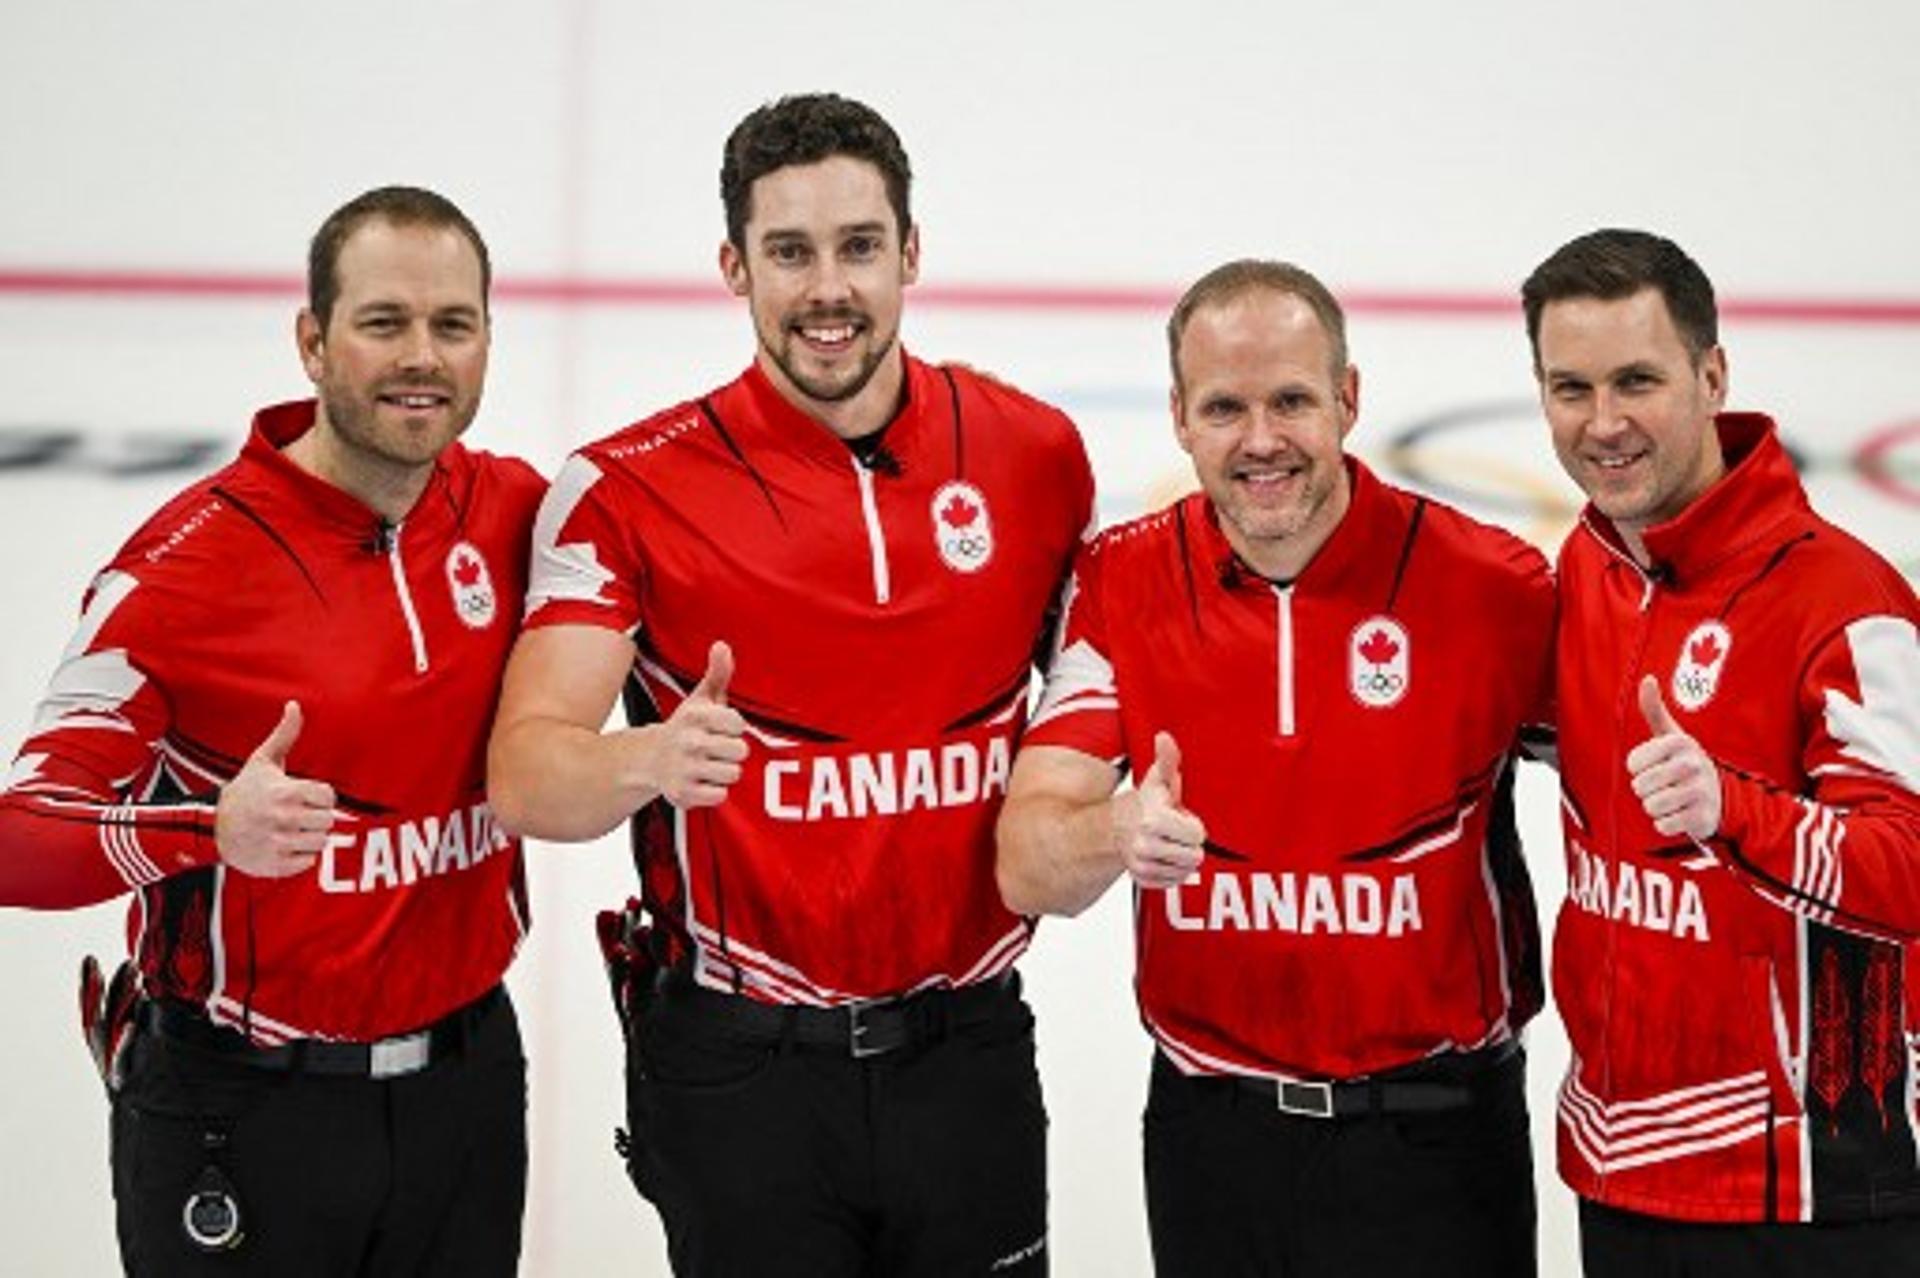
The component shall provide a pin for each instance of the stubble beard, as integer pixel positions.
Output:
(357, 429)
(782, 353)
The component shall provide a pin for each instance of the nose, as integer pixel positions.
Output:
(420, 350)
(827, 283)
(1265, 433)
(1609, 415)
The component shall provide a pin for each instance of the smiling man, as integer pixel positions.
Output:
(1739, 716)
(823, 586)
(1317, 683)
(269, 729)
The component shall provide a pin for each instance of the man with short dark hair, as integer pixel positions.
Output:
(823, 585)
(1739, 727)
(1317, 683)
(269, 728)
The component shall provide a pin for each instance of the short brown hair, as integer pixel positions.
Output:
(1612, 264)
(806, 129)
(398, 205)
(1226, 283)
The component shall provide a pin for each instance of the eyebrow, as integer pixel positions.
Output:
(795, 233)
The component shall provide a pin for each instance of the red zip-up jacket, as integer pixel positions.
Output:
(1742, 1012)
(259, 585)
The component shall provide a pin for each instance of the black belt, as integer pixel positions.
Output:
(1446, 1083)
(394, 1057)
(863, 1028)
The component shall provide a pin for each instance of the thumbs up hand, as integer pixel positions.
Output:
(1160, 843)
(1677, 781)
(267, 823)
(698, 750)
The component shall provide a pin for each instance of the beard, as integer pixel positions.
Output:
(357, 423)
(839, 384)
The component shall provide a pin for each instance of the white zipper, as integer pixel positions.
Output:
(876, 539)
(1285, 595)
(406, 600)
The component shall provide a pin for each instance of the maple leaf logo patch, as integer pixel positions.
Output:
(1378, 664)
(962, 530)
(958, 512)
(1379, 648)
(472, 586)
(1703, 655)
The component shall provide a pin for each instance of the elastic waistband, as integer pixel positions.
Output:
(394, 1057)
(864, 1028)
(1441, 1084)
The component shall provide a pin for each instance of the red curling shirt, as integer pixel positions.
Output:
(884, 616)
(259, 585)
(1345, 737)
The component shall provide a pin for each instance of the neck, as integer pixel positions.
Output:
(861, 413)
(389, 489)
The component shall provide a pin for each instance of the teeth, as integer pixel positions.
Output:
(829, 335)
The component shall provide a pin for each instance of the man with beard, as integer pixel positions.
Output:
(824, 584)
(1739, 709)
(1317, 683)
(270, 728)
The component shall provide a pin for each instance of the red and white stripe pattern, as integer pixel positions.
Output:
(224, 1009)
(716, 966)
(120, 840)
(1817, 874)
(1619, 1135)
(1434, 843)
(1081, 679)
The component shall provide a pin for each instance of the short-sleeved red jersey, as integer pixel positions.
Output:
(884, 615)
(1344, 737)
(259, 585)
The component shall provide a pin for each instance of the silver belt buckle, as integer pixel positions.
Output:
(857, 1028)
(393, 1057)
(1308, 1100)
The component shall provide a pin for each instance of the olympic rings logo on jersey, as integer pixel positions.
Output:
(962, 529)
(1379, 662)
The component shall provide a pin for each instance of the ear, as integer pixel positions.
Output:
(1713, 373)
(1349, 399)
(1180, 432)
(733, 269)
(311, 343)
(910, 255)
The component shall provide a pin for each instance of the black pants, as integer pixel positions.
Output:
(1236, 1187)
(420, 1175)
(767, 1159)
(1623, 1244)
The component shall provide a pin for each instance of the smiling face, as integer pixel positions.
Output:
(1263, 413)
(824, 270)
(400, 364)
(1631, 408)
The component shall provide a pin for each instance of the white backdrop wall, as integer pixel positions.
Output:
(1404, 152)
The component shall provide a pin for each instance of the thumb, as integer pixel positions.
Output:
(1166, 765)
(713, 684)
(1653, 707)
(279, 742)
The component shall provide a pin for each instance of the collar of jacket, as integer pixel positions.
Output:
(787, 427)
(1746, 506)
(278, 425)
